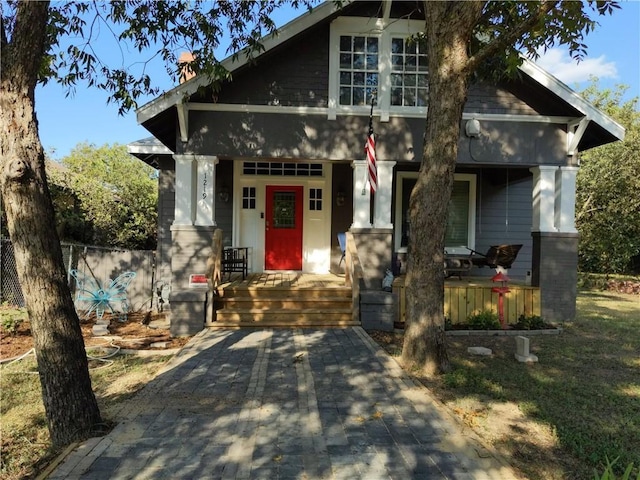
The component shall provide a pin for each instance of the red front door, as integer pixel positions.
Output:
(283, 228)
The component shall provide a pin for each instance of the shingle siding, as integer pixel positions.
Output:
(295, 76)
(484, 98)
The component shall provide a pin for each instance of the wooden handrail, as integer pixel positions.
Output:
(353, 275)
(214, 274)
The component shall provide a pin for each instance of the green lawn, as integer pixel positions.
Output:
(585, 390)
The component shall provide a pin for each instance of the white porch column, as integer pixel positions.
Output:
(543, 198)
(382, 198)
(566, 199)
(205, 191)
(184, 194)
(361, 209)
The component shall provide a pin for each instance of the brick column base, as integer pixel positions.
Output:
(374, 250)
(555, 271)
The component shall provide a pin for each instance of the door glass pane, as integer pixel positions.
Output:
(458, 218)
(284, 210)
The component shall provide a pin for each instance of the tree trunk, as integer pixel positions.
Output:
(449, 27)
(70, 405)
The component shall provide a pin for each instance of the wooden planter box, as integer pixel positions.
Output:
(467, 297)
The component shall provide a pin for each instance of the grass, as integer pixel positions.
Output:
(23, 431)
(584, 391)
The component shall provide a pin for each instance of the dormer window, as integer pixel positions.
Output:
(369, 55)
(359, 69)
(409, 82)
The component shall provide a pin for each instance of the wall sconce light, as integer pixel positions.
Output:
(340, 198)
(472, 128)
(223, 194)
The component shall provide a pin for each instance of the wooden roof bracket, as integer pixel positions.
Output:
(183, 121)
(575, 131)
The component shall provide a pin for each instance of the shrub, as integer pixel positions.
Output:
(533, 322)
(11, 318)
(484, 320)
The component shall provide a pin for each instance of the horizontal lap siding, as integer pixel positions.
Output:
(166, 215)
(224, 211)
(504, 216)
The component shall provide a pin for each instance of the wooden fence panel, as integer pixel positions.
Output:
(106, 265)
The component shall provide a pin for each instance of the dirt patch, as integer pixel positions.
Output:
(134, 333)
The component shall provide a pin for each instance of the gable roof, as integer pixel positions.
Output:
(288, 31)
(162, 115)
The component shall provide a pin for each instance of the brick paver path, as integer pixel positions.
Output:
(283, 404)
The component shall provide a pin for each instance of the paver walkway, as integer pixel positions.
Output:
(283, 404)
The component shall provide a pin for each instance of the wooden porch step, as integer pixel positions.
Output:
(300, 323)
(283, 303)
(283, 300)
(315, 316)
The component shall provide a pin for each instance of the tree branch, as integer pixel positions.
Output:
(585, 208)
(511, 37)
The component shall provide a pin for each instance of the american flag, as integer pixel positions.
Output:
(370, 151)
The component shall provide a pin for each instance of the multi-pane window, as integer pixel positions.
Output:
(408, 73)
(359, 69)
(288, 169)
(461, 217)
(377, 57)
(457, 234)
(315, 199)
(248, 198)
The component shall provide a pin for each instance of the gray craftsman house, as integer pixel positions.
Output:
(275, 159)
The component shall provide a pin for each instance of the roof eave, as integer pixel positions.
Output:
(554, 85)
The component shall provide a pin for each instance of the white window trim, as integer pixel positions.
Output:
(384, 30)
(463, 177)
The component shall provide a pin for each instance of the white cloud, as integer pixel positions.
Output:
(557, 62)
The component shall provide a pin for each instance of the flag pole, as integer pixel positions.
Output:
(366, 170)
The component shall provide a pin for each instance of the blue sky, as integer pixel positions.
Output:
(613, 57)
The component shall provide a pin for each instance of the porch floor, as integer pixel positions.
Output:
(291, 280)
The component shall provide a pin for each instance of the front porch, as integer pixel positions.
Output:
(288, 299)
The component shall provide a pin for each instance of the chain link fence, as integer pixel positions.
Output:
(100, 263)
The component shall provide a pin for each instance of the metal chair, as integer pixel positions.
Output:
(497, 256)
(342, 241)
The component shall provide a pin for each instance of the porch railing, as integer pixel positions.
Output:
(353, 275)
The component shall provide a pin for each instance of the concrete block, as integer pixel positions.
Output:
(483, 351)
(522, 350)
(188, 309)
(378, 310)
(99, 330)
